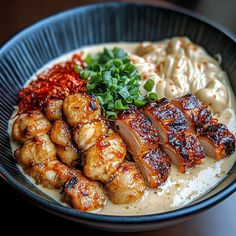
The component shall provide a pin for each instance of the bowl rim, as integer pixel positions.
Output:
(57, 208)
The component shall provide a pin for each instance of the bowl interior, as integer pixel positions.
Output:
(48, 39)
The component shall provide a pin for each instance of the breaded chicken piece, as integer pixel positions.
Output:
(52, 174)
(127, 185)
(84, 194)
(88, 134)
(36, 151)
(60, 133)
(28, 125)
(53, 109)
(68, 155)
(104, 158)
(80, 192)
(81, 108)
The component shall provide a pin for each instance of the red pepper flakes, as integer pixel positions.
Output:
(55, 83)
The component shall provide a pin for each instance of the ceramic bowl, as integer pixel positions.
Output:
(35, 46)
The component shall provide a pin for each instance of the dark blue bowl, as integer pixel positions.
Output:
(28, 51)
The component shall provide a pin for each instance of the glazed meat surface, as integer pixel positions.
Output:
(178, 141)
(36, 151)
(155, 167)
(88, 134)
(196, 114)
(68, 155)
(127, 186)
(53, 110)
(217, 140)
(137, 131)
(84, 194)
(52, 174)
(28, 125)
(142, 139)
(81, 108)
(60, 133)
(105, 157)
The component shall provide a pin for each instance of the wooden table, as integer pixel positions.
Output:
(29, 220)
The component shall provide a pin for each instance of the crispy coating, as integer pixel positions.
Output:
(88, 134)
(217, 140)
(127, 186)
(178, 141)
(196, 114)
(53, 109)
(68, 155)
(105, 157)
(36, 151)
(60, 133)
(81, 108)
(52, 174)
(155, 167)
(137, 131)
(84, 194)
(28, 125)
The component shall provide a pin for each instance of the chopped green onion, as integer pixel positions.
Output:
(91, 86)
(120, 106)
(124, 93)
(111, 115)
(114, 80)
(100, 100)
(85, 74)
(152, 97)
(139, 103)
(110, 105)
(148, 86)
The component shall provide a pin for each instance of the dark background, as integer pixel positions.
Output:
(20, 217)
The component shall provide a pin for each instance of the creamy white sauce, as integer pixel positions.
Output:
(180, 189)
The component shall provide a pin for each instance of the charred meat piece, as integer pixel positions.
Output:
(184, 149)
(28, 125)
(52, 174)
(60, 133)
(196, 114)
(178, 141)
(53, 109)
(217, 140)
(84, 194)
(137, 131)
(166, 118)
(81, 108)
(104, 158)
(127, 185)
(142, 141)
(155, 167)
(88, 134)
(36, 151)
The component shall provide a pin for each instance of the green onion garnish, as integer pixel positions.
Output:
(152, 97)
(139, 103)
(120, 106)
(148, 86)
(113, 80)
